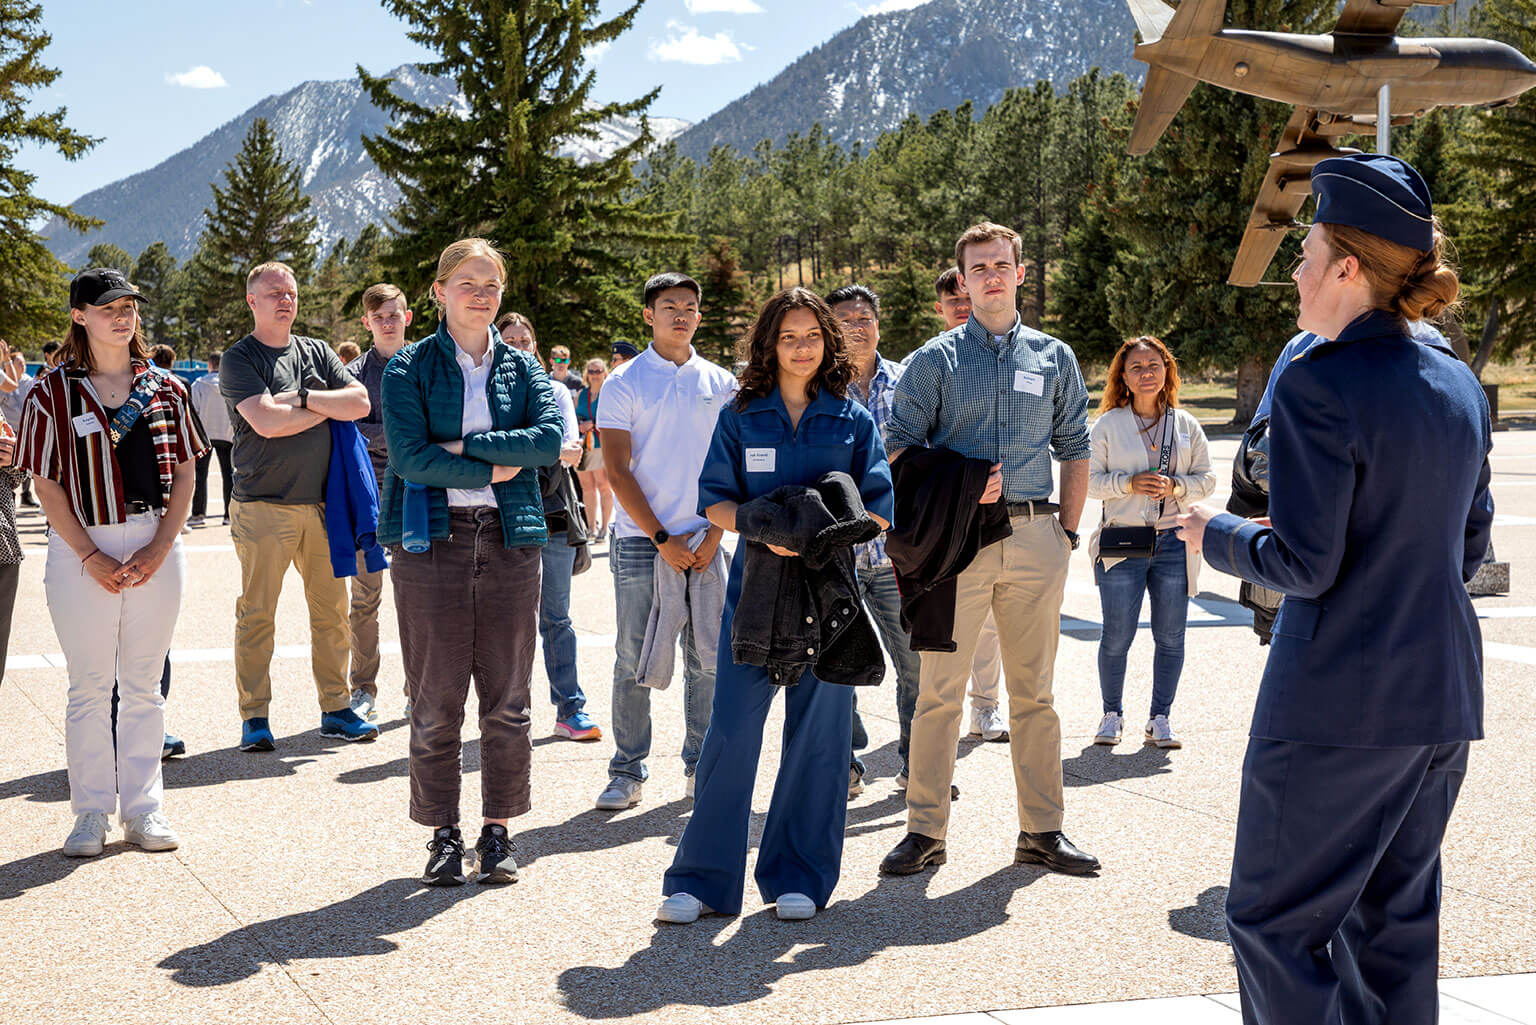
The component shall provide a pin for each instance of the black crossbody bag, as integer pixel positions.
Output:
(1139, 542)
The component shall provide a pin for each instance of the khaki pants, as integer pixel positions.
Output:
(1020, 580)
(268, 539)
(363, 617)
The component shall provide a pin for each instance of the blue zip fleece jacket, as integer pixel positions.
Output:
(424, 395)
(352, 503)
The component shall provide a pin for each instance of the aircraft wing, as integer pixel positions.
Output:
(1286, 187)
(1377, 17)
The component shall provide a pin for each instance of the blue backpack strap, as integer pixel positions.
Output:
(130, 411)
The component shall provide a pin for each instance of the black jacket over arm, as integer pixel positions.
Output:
(940, 526)
(802, 613)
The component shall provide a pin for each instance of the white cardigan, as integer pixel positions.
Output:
(1117, 453)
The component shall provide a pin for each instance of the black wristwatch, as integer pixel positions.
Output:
(303, 398)
(661, 537)
(1072, 538)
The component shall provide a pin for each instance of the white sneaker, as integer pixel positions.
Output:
(621, 792)
(688, 786)
(1159, 732)
(151, 831)
(988, 723)
(365, 705)
(88, 837)
(681, 909)
(794, 907)
(901, 781)
(1111, 729)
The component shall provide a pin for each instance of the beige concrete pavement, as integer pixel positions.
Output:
(293, 896)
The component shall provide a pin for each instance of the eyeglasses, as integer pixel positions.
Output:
(559, 359)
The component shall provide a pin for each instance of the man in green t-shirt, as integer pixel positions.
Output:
(282, 389)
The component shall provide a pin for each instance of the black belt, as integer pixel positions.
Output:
(135, 507)
(1031, 509)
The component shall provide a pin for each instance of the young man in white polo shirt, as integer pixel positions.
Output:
(657, 417)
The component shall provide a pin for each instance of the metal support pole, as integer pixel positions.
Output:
(1384, 120)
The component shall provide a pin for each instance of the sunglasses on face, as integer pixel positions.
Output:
(560, 360)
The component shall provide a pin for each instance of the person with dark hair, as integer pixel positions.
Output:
(1373, 692)
(792, 424)
(111, 441)
(620, 353)
(214, 414)
(1149, 461)
(163, 356)
(15, 383)
(657, 416)
(996, 390)
(857, 309)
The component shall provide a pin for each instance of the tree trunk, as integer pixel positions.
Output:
(1490, 335)
(1252, 376)
(799, 260)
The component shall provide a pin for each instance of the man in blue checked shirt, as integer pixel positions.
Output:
(858, 310)
(994, 389)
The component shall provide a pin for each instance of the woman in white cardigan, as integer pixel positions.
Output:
(1139, 418)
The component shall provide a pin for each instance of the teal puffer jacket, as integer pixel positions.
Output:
(423, 392)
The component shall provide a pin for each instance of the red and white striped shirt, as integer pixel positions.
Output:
(85, 465)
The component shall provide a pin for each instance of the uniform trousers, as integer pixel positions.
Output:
(107, 638)
(1334, 908)
(802, 844)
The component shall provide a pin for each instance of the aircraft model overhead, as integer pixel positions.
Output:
(1359, 79)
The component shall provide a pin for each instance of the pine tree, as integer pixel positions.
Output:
(907, 319)
(1078, 299)
(33, 293)
(727, 302)
(575, 238)
(260, 214)
(154, 274)
(108, 254)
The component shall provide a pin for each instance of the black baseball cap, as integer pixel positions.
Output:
(99, 286)
(625, 349)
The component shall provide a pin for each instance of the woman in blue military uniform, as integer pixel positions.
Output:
(791, 423)
(1381, 511)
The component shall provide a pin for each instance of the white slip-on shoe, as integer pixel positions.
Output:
(1111, 728)
(620, 793)
(150, 831)
(988, 724)
(1160, 732)
(794, 907)
(88, 837)
(681, 909)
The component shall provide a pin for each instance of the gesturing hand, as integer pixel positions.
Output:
(1192, 524)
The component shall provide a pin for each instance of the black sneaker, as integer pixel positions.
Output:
(494, 859)
(446, 866)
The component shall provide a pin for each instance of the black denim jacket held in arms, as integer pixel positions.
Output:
(805, 613)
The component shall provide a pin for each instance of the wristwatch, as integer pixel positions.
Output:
(1072, 538)
(303, 398)
(661, 537)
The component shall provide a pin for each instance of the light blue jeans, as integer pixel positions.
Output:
(633, 563)
(877, 587)
(1166, 577)
(555, 632)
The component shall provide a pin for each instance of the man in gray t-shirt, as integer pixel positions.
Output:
(282, 391)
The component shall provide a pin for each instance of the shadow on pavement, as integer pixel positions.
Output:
(1205, 919)
(356, 927)
(1099, 764)
(47, 867)
(690, 966)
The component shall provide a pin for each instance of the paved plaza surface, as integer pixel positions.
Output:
(294, 896)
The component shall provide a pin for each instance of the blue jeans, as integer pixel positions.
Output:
(555, 631)
(878, 589)
(633, 563)
(1166, 577)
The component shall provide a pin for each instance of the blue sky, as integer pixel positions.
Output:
(151, 79)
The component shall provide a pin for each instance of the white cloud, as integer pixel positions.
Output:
(200, 77)
(684, 45)
(597, 51)
(722, 7)
(887, 6)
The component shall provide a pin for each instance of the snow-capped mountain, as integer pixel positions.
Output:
(320, 126)
(870, 76)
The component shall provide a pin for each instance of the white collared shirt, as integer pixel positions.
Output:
(670, 413)
(477, 417)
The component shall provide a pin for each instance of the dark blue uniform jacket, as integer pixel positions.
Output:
(1379, 498)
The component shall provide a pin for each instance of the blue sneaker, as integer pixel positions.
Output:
(578, 726)
(346, 724)
(255, 736)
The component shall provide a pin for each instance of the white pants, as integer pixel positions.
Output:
(114, 637)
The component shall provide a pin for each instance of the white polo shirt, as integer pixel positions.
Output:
(670, 413)
(477, 416)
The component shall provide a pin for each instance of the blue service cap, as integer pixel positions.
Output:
(1378, 194)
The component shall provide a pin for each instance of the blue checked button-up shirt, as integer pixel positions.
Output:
(1017, 401)
(871, 554)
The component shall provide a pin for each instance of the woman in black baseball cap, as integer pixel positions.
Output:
(112, 442)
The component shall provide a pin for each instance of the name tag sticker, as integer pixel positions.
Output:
(761, 460)
(1184, 441)
(86, 423)
(1028, 382)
